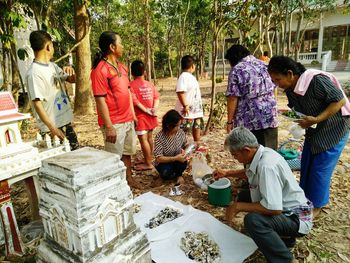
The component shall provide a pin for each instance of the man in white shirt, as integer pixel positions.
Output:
(189, 103)
(46, 90)
(278, 210)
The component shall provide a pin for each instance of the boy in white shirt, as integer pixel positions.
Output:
(45, 83)
(189, 103)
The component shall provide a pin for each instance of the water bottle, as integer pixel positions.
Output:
(190, 149)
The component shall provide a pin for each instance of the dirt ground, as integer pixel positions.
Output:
(329, 240)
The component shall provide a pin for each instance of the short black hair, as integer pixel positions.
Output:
(170, 119)
(187, 62)
(235, 53)
(137, 68)
(266, 53)
(38, 39)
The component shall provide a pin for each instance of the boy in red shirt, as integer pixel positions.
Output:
(146, 101)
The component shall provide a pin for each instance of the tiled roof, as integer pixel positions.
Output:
(7, 103)
(8, 109)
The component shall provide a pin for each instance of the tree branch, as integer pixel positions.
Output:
(74, 47)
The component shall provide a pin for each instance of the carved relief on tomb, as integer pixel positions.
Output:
(109, 221)
(59, 228)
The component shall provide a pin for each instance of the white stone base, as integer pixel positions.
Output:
(134, 250)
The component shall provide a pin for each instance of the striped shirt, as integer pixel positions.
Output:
(320, 93)
(165, 145)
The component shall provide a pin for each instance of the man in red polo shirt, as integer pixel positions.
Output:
(110, 85)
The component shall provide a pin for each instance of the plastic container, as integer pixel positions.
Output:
(219, 192)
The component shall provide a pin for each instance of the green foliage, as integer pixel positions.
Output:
(219, 110)
(22, 54)
(315, 62)
(218, 80)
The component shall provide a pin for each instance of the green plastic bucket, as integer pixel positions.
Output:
(219, 192)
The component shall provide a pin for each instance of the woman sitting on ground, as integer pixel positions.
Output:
(170, 159)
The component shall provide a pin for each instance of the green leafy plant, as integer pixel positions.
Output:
(291, 114)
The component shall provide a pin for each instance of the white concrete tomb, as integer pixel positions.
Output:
(87, 210)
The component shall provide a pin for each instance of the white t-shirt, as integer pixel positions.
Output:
(188, 84)
(42, 83)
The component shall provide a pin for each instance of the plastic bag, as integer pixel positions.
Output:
(200, 168)
(296, 131)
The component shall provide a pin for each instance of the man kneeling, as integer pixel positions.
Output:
(278, 210)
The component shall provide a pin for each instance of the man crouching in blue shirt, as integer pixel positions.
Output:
(278, 210)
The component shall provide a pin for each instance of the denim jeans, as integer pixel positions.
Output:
(272, 234)
(171, 170)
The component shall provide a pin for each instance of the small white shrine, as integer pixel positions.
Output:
(17, 158)
(87, 210)
(19, 161)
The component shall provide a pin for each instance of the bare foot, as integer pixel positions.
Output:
(180, 180)
(316, 212)
(143, 167)
(139, 161)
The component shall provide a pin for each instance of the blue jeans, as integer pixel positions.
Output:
(171, 170)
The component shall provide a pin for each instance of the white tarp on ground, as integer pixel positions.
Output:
(165, 239)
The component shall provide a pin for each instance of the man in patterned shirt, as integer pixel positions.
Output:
(250, 95)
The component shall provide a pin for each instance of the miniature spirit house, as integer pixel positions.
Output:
(10, 136)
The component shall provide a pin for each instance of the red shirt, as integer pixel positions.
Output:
(114, 86)
(145, 93)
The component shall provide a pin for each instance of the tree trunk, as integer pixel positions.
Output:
(223, 59)
(213, 81)
(147, 42)
(153, 69)
(169, 50)
(215, 44)
(284, 35)
(201, 58)
(16, 78)
(278, 40)
(261, 35)
(267, 35)
(298, 36)
(169, 62)
(5, 70)
(289, 43)
(83, 94)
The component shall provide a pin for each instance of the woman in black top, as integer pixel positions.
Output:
(326, 121)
